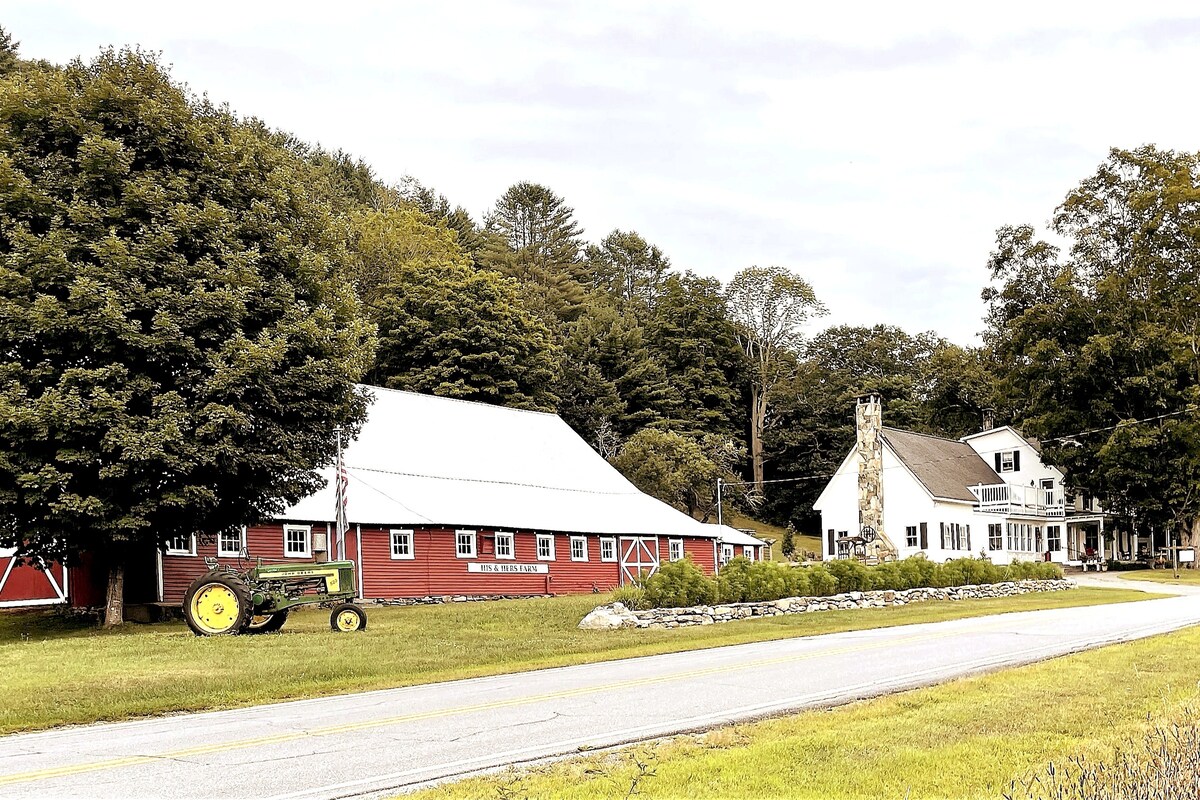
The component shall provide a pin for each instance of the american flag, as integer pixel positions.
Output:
(342, 483)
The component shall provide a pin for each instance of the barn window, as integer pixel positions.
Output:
(297, 541)
(181, 546)
(579, 548)
(675, 549)
(231, 543)
(464, 544)
(726, 553)
(608, 549)
(748, 552)
(504, 546)
(402, 545)
(545, 547)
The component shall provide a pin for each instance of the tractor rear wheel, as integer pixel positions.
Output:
(217, 604)
(347, 618)
(267, 623)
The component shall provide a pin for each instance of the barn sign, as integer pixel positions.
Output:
(513, 569)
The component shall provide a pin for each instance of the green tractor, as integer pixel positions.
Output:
(258, 600)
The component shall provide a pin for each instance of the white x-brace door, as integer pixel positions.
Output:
(639, 556)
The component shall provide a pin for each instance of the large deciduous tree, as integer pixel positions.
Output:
(176, 343)
(1092, 340)
(771, 306)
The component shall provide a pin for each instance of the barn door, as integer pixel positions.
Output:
(639, 556)
(25, 585)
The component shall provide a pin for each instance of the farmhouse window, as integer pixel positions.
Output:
(504, 546)
(608, 549)
(545, 547)
(402, 545)
(579, 548)
(181, 546)
(995, 536)
(1008, 461)
(297, 541)
(464, 544)
(910, 536)
(231, 543)
(1054, 537)
(675, 549)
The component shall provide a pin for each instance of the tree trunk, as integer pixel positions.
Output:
(758, 408)
(114, 604)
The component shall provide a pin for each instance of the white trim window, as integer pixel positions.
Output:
(1008, 460)
(505, 546)
(608, 549)
(464, 543)
(297, 541)
(726, 554)
(995, 536)
(231, 543)
(545, 547)
(402, 545)
(579, 548)
(748, 552)
(910, 536)
(675, 550)
(1054, 538)
(182, 545)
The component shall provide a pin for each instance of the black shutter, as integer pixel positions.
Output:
(997, 462)
(1016, 460)
(832, 546)
(942, 530)
(968, 537)
(924, 536)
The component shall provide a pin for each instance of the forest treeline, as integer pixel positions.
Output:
(115, 181)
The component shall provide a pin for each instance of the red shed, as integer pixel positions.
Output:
(449, 497)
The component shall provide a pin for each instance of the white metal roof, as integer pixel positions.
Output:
(730, 535)
(426, 460)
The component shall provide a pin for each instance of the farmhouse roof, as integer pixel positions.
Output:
(426, 460)
(944, 466)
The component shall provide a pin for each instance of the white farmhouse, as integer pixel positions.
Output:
(988, 493)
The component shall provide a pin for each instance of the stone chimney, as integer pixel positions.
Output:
(868, 418)
(989, 419)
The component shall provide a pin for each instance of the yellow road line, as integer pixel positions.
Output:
(130, 761)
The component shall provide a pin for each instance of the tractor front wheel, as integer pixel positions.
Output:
(217, 604)
(267, 623)
(347, 618)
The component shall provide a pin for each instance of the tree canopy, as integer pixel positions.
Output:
(176, 342)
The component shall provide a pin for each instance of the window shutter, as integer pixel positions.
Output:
(924, 535)
(968, 537)
(942, 529)
(1016, 460)
(997, 462)
(832, 546)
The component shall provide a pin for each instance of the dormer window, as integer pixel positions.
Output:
(1008, 461)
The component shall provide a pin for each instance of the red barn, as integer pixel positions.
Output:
(448, 497)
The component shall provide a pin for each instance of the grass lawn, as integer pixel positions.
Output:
(63, 672)
(1186, 576)
(966, 739)
(765, 530)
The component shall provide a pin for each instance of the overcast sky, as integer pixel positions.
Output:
(874, 149)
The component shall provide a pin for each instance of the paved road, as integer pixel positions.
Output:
(372, 743)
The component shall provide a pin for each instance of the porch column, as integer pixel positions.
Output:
(1133, 554)
(1100, 536)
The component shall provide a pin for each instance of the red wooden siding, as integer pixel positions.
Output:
(262, 541)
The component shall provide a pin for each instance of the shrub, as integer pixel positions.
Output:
(632, 597)
(797, 582)
(821, 582)
(733, 583)
(680, 583)
(851, 576)
(1031, 570)
(915, 572)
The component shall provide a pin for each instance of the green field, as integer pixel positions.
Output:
(966, 739)
(65, 672)
(765, 530)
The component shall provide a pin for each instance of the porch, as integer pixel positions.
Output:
(1014, 498)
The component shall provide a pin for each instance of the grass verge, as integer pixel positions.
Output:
(968, 739)
(64, 672)
(1187, 577)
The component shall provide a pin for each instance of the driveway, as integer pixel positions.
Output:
(387, 741)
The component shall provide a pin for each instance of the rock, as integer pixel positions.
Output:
(604, 618)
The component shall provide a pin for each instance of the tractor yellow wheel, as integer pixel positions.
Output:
(267, 623)
(348, 618)
(217, 604)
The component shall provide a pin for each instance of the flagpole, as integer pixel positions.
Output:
(340, 479)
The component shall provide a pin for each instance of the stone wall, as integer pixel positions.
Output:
(617, 615)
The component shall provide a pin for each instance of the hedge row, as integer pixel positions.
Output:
(682, 583)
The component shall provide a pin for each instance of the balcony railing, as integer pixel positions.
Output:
(1012, 498)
